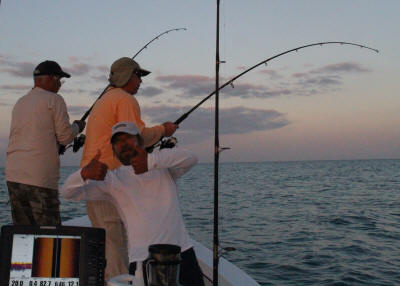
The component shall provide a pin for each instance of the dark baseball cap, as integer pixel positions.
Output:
(49, 68)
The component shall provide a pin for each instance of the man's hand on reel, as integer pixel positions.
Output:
(81, 124)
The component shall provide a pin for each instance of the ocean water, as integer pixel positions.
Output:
(293, 223)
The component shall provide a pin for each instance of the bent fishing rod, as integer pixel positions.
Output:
(161, 142)
(80, 140)
(230, 82)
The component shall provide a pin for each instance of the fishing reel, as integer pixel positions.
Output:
(78, 142)
(169, 142)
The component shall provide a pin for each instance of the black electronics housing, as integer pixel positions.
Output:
(52, 255)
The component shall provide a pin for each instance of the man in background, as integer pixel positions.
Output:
(39, 124)
(117, 104)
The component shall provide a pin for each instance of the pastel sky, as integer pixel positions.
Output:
(322, 103)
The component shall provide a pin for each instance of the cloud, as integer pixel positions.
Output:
(73, 59)
(341, 67)
(312, 84)
(103, 68)
(300, 74)
(322, 81)
(77, 109)
(236, 120)
(272, 74)
(82, 68)
(25, 69)
(15, 87)
(19, 69)
(246, 90)
(100, 78)
(150, 91)
(195, 85)
(241, 120)
(96, 93)
(78, 69)
(75, 91)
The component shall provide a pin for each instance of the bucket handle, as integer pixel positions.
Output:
(146, 270)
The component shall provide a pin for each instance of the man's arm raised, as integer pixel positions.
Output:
(95, 170)
(89, 183)
(177, 160)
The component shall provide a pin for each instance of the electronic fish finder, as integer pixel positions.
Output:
(52, 256)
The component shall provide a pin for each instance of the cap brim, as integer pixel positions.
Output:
(144, 72)
(64, 74)
(61, 74)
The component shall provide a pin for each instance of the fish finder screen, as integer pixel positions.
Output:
(45, 260)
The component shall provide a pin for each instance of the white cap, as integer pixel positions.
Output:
(124, 127)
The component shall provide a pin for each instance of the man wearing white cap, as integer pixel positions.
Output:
(117, 104)
(145, 194)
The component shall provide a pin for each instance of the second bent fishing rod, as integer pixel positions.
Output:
(80, 140)
(230, 82)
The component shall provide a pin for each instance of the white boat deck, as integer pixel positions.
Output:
(229, 274)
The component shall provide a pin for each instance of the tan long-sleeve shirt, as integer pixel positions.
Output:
(39, 123)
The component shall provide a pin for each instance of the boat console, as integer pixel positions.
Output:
(52, 256)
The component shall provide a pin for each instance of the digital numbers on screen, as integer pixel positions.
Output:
(43, 283)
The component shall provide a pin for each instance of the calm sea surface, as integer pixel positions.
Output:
(293, 223)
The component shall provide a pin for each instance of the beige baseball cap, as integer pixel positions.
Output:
(122, 69)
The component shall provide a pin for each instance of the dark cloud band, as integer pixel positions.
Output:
(236, 120)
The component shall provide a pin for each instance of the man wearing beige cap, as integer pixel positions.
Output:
(117, 104)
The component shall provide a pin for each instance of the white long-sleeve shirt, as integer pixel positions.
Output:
(147, 203)
(39, 123)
